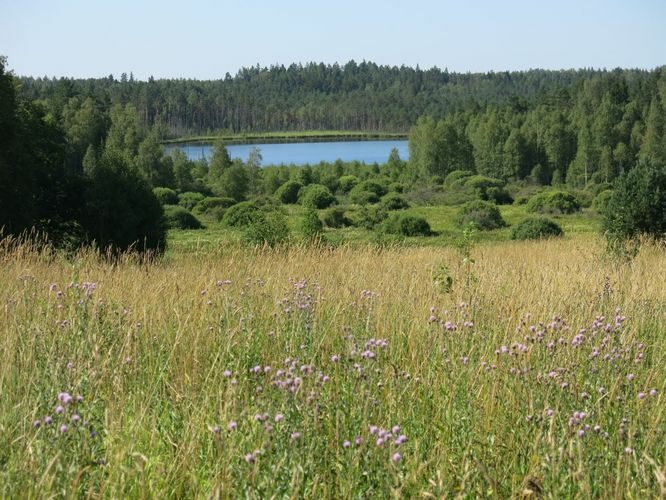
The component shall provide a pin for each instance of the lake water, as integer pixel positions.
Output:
(301, 153)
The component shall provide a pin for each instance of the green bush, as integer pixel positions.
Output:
(166, 196)
(637, 205)
(393, 201)
(534, 228)
(316, 196)
(499, 196)
(601, 201)
(311, 226)
(485, 215)
(241, 214)
(269, 229)
(457, 177)
(553, 202)
(397, 187)
(212, 203)
(177, 217)
(367, 217)
(347, 182)
(336, 218)
(367, 192)
(584, 198)
(407, 225)
(288, 192)
(189, 199)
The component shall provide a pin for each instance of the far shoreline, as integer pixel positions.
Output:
(288, 137)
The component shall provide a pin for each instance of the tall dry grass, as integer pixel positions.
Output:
(493, 395)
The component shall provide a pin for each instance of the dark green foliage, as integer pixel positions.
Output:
(335, 217)
(407, 225)
(242, 214)
(553, 202)
(267, 229)
(637, 205)
(368, 191)
(177, 217)
(311, 226)
(485, 215)
(212, 202)
(367, 217)
(347, 182)
(189, 200)
(457, 176)
(393, 201)
(166, 196)
(397, 187)
(601, 201)
(288, 192)
(535, 228)
(499, 196)
(121, 210)
(316, 196)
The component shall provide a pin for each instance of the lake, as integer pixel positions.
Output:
(301, 153)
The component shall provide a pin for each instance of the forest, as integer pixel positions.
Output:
(83, 161)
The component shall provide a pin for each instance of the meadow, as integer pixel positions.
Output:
(495, 369)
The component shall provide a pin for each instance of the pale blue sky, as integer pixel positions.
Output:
(205, 39)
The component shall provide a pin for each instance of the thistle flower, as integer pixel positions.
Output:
(396, 457)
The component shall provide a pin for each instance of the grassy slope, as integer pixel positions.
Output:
(148, 350)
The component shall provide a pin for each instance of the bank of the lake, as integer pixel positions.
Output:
(287, 136)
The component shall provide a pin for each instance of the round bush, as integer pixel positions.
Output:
(407, 225)
(485, 215)
(499, 196)
(364, 197)
(212, 203)
(166, 196)
(177, 217)
(241, 214)
(335, 218)
(601, 201)
(269, 229)
(311, 225)
(457, 176)
(316, 196)
(553, 202)
(369, 186)
(288, 192)
(397, 187)
(535, 228)
(393, 201)
(189, 199)
(347, 182)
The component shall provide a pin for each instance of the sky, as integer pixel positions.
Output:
(205, 39)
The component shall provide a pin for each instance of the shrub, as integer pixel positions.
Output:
(316, 196)
(288, 192)
(407, 225)
(189, 199)
(336, 217)
(584, 198)
(485, 215)
(213, 202)
(269, 229)
(121, 211)
(311, 226)
(534, 228)
(347, 182)
(397, 187)
(367, 192)
(177, 217)
(499, 196)
(393, 201)
(241, 214)
(553, 202)
(601, 201)
(637, 205)
(367, 217)
(457, 177)
(166, 196)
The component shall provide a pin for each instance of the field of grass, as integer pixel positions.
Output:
(305, 135)
(534, 369)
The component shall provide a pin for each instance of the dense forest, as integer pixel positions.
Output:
(81, 159)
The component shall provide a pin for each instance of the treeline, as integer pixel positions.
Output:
(353, 96)
(589, 133)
